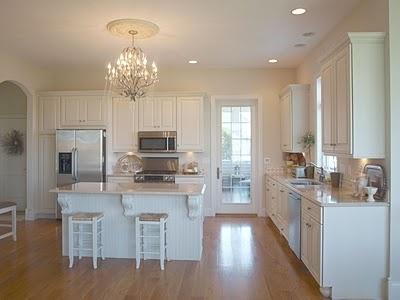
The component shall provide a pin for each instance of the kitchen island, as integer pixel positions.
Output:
(121, 202)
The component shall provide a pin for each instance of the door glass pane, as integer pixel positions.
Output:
(236, 154)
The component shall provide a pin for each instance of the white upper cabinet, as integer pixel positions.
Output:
(49, 114)
(190, 124)
(83, 110)
(294, 116)
(157, 113)
(353, 97)
(124, 137)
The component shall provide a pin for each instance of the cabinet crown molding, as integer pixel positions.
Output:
(352, 37)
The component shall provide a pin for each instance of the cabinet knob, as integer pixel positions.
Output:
(309, 208)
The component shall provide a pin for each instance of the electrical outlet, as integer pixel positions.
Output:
(267, 160)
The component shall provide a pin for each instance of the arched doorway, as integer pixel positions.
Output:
(13, 160)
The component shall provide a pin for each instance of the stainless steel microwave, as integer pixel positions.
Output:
(157, 141)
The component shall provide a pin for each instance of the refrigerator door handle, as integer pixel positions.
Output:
(73, 164)
(76, 164)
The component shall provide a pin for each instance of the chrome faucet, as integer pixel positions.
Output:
(321, 172)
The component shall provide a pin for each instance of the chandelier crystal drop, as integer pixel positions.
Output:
(130, 76)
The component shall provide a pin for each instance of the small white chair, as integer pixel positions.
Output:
(80, 240)
(151, 235)
(9, 207)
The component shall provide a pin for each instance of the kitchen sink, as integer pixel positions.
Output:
(305, 182)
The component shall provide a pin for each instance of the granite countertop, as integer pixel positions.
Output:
(325, 195)
(132, 188)
(131, 175)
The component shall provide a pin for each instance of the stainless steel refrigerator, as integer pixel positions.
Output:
(80, 157)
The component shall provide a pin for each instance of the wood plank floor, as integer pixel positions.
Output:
(243, 258)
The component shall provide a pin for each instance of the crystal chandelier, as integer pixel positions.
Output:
(130, 76)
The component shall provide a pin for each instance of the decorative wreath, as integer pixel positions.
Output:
(13, 142)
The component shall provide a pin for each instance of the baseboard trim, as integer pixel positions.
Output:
(31, 215)
(393, 289)
(237, 215)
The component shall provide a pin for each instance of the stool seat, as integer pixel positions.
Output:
(86, 216)
(6, 204)
(152, 217)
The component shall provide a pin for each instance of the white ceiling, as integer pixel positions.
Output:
(217, 33)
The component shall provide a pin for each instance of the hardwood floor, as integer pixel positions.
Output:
(243, 258)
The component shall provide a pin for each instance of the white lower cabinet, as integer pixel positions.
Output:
(344, 246)
(311, 232)
(189, 179)
(47, 173)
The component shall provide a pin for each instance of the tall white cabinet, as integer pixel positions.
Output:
(353, 97)
(48, 123)
(294, 116)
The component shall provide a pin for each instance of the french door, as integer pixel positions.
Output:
(235, 153)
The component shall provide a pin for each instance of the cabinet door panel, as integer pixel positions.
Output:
(327, 93)
(124, 137)
(148, 114)
(70, 111)
(305, 239)
(167, 108)
(286, 123)
(49, 114)
(47, 172)
(93, 110)
(190, 124)
(315, 231)
(343, 107)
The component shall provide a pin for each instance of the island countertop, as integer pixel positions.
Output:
(132, 188)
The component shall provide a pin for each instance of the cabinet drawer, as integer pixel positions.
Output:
(121, 179)
(313, 209)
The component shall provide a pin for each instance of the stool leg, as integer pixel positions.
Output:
(14, 223)
(70, 242)
(102, 239)
(94, 239)
(80, 241)
(162, 244)
(166, 243)
(137, 242)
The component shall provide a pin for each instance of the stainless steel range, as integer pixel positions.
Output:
(158, 169)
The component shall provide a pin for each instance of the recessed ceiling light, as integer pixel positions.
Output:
(299, 45)
(192, 61)
(273, 61)
(298, 11)
(308, 34)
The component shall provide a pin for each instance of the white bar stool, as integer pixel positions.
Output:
(80, 240)
(149, 234)
(9, 207)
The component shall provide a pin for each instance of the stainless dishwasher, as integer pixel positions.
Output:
(294, 212)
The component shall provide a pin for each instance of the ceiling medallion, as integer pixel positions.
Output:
(129, 75)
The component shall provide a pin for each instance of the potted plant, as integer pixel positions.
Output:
(308, 141)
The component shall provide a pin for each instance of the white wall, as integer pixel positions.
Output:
(30, 79)
(394, 46)
(12, 168)
(370, 15)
